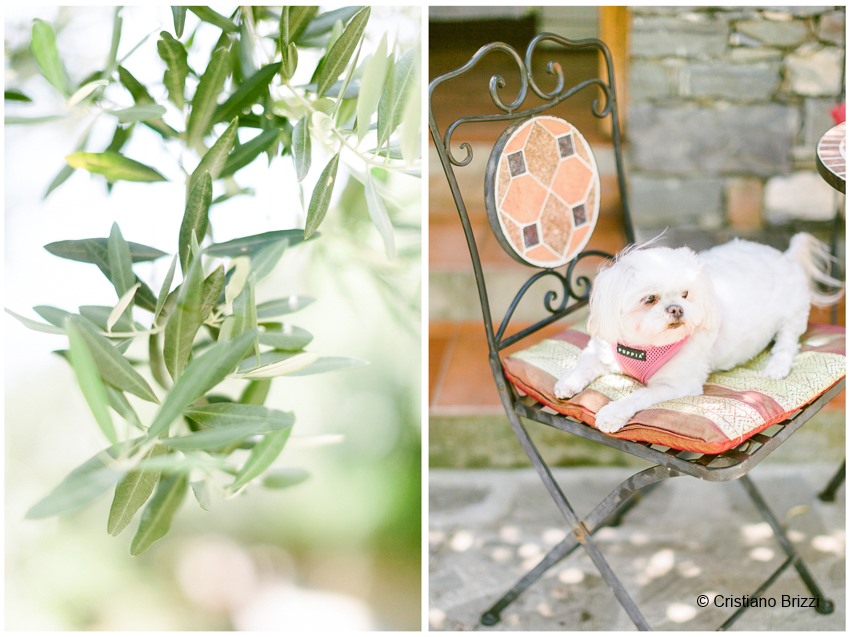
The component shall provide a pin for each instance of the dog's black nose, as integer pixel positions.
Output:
(675, 311)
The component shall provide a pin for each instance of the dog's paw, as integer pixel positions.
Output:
(568, 386)
(613, 417)
(776, 368)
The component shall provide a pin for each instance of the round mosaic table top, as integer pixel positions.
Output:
(542, 191)
(832, 157)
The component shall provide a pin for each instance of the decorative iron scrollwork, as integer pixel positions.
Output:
(512, 109)
(570, 286)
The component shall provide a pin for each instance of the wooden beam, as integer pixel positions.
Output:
(614, 32)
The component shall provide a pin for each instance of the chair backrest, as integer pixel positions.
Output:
(565, 224)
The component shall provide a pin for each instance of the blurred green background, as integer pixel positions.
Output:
(339, 551)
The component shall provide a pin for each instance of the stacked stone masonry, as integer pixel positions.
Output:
(726, 106)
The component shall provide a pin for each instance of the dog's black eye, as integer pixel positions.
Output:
(685, 294)
(650, 300)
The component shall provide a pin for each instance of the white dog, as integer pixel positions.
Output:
(670, 317)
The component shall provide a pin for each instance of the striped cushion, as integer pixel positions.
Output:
(734, 406)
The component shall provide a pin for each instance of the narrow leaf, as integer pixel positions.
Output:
(326, 364)
(85, 91)
(14, 95)
(47, 56)
(379, 215)
(35, 325)
(212, 17)
(81, 487)
(85, 369)
(294, 21)
(123, 304)
(165, 289)
(174, 54)
(99, 316)
(141, 96)
(266, 260)
(272, 364)
(139, 113)
(256, 392)
(215, 158)
(159, 513)
(341, 51)
(113, 367)
(254, 244)
(228, 423)
(118, 401)
(248, 93)
(120, 261)
(213, 285)
(179, 15)
(279, 307)
(195, 217)
(285, 337)
(284, 478)
(131, 493)
(53, 315)
(205, 99)
(245, 153)
(301, 148)
(96, 251)
(200, 375)
(244, 311)
(114, 166)
(371, 85)
(409, 128)
(321, 198)
(395, 94)
(261, 458)
(185, 321)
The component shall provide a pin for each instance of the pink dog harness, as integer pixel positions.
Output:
(642, 363)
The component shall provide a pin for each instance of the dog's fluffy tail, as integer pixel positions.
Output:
(817, 262)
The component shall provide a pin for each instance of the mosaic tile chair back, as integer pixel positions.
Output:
(542, 191)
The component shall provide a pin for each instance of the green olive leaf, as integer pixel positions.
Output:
(47, 56)
(205, 100)
(261, 458)
(320, 201)
(201, 374)
(158, 514)
(371, 86)
(111, 365)
(195, 217)
(82, 486)
(114, 166)
(86, 371)
(215, 158)
(132, 492)
(301, 148)
(341, 51)
(185, 321)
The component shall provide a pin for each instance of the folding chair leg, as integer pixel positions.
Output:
(828, 494)
(618, 502)
(825, 606)
(581, 529)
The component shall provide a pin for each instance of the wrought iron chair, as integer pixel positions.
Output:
(571, 293)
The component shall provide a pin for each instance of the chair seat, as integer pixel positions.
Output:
(735, 405)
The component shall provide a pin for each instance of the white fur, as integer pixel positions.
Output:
(740, 297)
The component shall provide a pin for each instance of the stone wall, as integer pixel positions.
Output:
(725, 107)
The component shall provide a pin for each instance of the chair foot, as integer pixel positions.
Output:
(491, 619)
(825, 606)
(828, 494)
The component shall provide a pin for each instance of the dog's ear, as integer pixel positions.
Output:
(606, 302)
(706, 297)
